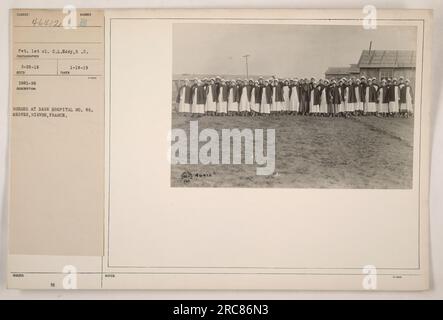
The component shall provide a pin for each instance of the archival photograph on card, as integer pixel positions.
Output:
(293, 106)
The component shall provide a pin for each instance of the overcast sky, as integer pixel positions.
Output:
(283, 50)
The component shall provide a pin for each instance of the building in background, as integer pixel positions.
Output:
(340, 72)
(379, 64)
(388, 64)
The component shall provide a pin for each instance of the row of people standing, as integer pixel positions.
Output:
(343, 97)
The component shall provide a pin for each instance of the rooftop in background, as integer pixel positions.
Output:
(387, 59)
(353, 68)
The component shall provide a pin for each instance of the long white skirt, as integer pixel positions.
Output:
(350, 106)
(286, 104)
(382, 107)
(312, 107)
(323, 107)
(244, 103)
(406, 107)
(232, 106)
(370, 107)
(210, 104)
(409, 105)
(265, 108)
(323, 103)
(359, 103)
(183, 107)
(222, 107)
(294, 105)
(393, 106)
(273, 106)
(198, 108)
(341, 107)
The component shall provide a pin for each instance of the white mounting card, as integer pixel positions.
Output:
(219, 149)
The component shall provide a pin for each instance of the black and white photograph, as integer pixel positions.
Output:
(293, 106)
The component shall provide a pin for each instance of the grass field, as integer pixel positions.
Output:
(313, 152)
